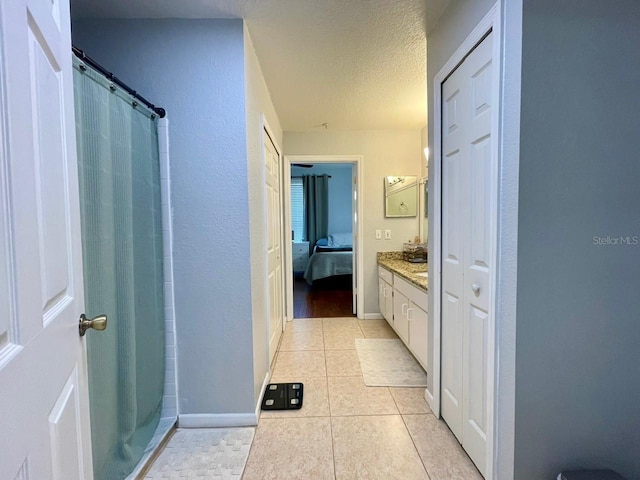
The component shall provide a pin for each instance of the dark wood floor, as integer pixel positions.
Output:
(330, 297)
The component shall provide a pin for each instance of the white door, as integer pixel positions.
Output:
(467, 185)
(354, 229)
(274, 244)
(44, 415)
(455, 102)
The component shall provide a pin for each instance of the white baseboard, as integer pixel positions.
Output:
(373, 316)
(429, 398)
(216, 420)
(264, 387)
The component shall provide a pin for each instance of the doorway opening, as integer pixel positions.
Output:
(322, 211)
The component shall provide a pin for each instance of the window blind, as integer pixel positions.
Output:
(297, 209)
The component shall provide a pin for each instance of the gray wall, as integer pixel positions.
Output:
(339, 194)
(578, 333)
(195, 69)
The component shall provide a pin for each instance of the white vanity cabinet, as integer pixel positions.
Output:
(416, 316)
(385, 294)
(404, 306)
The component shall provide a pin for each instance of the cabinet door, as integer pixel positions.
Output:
(385, 296)
(382, 302)
(418, 333)
(389, 303)
(400, 320)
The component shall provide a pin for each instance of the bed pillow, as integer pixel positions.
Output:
(340, 240)
(323, 242)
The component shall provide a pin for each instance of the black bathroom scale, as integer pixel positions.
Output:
(283, 396)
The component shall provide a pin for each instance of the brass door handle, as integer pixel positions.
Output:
(97, 323)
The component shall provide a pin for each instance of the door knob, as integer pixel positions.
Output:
(97, 323)
(476, 288)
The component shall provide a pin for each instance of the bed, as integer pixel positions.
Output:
(329, 259)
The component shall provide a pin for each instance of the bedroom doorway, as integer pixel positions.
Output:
(323, 236)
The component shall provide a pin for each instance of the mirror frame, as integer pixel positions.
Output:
(400, 178)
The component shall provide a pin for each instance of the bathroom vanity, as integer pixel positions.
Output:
(402, 297)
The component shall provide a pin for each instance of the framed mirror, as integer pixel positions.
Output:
(401, 196)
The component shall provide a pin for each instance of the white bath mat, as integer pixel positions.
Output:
(207, 453)
(388, 363)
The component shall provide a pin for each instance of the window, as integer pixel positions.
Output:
(297, 209)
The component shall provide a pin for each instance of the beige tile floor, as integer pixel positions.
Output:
(346, 430)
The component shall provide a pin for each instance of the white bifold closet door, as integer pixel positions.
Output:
(466, 253)
(274, 246)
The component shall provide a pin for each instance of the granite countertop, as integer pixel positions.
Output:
(393, 261)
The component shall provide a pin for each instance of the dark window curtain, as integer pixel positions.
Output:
(316, 200)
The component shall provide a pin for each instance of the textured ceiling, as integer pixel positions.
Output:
(354, 64)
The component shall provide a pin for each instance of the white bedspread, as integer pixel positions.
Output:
(328, 264)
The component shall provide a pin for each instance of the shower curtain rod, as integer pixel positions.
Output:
(85, 58)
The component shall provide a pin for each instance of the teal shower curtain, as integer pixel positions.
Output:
(123, 272)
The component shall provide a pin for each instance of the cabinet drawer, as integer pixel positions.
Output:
(300, 248)
(386, 275)
(413, 293)
(299, 256)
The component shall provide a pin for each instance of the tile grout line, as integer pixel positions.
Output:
(406, 428)
(333, 449)
(411, 437)
(367, 415)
